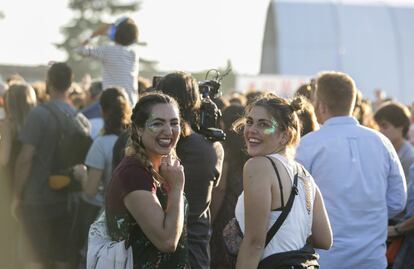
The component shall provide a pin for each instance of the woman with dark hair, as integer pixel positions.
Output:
(272, 182)
(145, 203)
(202, 161)
(95, 176)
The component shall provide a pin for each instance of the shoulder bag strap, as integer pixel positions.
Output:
(54, 111)
(285, 212)
(278, 179)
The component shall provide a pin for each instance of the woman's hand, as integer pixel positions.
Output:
(163, 227)
(173, 172)
(80, 172)
(392, 232)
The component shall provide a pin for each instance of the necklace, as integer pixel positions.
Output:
(157, 177)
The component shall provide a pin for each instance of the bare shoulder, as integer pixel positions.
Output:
(262, 162)
(255, 163)
(257, 167)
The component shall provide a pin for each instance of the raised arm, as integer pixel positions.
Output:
(100, 31)
(163, 228)
(92, 51)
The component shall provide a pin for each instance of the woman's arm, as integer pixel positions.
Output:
(91, 184)
(401, 228)
(217, 195)
(163, 228)
(321, 228)
(89, 178)
(257, 180)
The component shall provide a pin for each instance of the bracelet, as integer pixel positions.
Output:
(397, 230)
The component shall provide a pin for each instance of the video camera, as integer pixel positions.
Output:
(210, 115)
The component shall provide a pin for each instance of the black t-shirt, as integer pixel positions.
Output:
(202, 161)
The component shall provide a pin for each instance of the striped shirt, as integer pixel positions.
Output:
(120, 66)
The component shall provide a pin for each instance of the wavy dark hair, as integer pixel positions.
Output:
(234, 146)
(115, 110)
(184, 89)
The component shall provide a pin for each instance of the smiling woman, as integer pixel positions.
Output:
(280, 208)
(145, 204)
(161, 131)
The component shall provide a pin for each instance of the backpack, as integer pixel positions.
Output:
(73, 142)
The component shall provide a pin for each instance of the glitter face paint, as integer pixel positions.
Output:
(152, 125)
(272, 129)
(155, 126)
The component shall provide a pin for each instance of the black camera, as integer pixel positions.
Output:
(210, 115)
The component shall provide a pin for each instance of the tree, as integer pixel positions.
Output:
(88, 15)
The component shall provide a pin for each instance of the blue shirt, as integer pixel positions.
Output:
(363, 184)
(406, 155)
(92, 111)
(410, 193)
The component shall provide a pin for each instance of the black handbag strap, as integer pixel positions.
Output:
(282, 202)
(285, 212)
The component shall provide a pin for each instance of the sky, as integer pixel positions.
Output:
(190, 35)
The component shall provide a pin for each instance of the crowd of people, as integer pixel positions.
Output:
(325, 179)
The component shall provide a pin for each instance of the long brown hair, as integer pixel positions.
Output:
(19, 100)
(116, 111)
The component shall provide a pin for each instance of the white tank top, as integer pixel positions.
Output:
(297, 226)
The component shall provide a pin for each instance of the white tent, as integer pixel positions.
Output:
(373, 42)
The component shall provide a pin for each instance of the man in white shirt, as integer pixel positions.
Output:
(358, 173)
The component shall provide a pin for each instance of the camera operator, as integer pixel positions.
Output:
(202, 161)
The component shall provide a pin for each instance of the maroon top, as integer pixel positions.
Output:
(129, 176)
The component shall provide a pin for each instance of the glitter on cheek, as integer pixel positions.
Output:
(272, 129)
(152, 125)
(152, 128)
